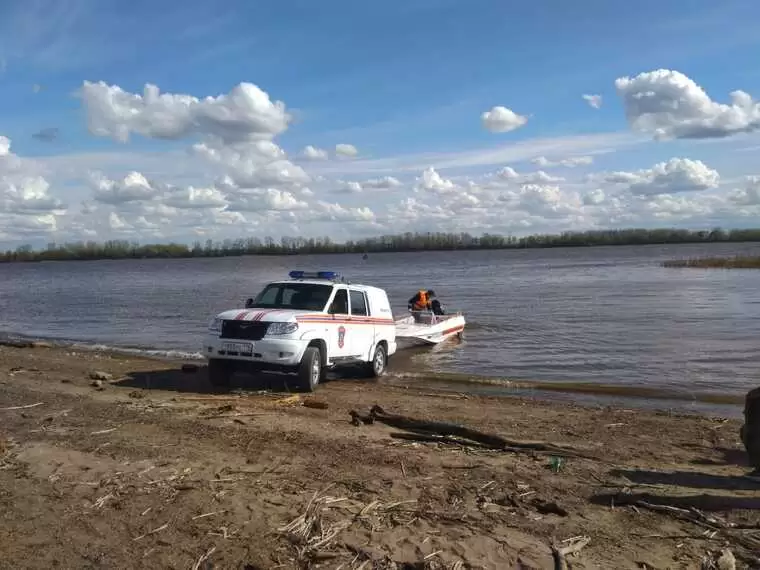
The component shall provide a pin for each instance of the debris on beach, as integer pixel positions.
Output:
(100, 375)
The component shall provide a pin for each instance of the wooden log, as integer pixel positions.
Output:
(377, 414)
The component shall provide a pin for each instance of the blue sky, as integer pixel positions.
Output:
(395, 78)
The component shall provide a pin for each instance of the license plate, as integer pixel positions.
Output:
(243, 348)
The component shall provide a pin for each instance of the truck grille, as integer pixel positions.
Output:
(244, 330)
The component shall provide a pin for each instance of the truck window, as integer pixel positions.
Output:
(339, 306)
(296, 296)
(358, 303)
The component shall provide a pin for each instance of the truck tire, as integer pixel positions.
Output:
(310, 370)
(220, 372)
(376, 367)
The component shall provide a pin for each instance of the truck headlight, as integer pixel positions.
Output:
(215, 325)
(277, 329)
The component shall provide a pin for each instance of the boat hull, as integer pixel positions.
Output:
(432, 330)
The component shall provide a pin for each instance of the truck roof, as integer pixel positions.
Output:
(326, 282)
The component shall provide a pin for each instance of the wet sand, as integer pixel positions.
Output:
(150, 468)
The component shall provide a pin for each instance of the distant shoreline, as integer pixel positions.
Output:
(401, 243)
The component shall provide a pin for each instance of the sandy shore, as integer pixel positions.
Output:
(151, 469)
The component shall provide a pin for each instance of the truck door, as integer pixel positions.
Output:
(362, 330)
(339, 336)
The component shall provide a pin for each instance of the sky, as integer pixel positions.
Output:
(183, 121)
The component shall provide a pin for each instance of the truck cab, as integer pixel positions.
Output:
(304, 325)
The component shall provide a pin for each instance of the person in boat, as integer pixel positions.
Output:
(422, 301)
(435, 306)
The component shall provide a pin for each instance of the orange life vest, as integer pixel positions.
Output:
(422, 301)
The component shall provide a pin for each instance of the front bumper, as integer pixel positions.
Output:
(279, 352)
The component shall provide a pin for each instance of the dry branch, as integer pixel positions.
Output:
(203, 558)
(22, 407)
(699, 518)
(155, 530)
(574, 545)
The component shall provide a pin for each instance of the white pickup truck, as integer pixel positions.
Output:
(306, 324)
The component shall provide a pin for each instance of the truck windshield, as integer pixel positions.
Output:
(296, 296)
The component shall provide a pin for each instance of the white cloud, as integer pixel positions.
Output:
(313, 153)
(383, 183)
(672, 177)
(27, 195)
(254, 164)
(117, 223)
(502, 120)
(346, 150)
(354, 187)
(750, 194)
(191, 197)
(15, 226)
(571, 162)
(348, 187)
(508, 176)
(594, 101)
(507, 173)
(134, 187)
(246, 112)
(261, 200)
(594, 197)
(668, 104)
(326, 211)
(434, 182)
(27, 206)
(540, 177)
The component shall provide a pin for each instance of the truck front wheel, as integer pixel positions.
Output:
(310, 369)
(220, 372)
(376, 367)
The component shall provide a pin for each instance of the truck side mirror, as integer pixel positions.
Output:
(248, 303)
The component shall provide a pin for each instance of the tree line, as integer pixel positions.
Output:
(430, 241)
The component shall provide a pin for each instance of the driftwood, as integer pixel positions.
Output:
(699, 518)
(448, 430)
(573, 546)
(694, 503)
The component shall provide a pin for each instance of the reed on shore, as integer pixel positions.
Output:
(730, 262)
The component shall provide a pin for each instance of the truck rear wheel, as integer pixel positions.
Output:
(220, 372)
(310, 370)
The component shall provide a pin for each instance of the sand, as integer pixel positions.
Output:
(149, 468)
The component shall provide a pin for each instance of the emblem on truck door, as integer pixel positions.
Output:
(341, 336)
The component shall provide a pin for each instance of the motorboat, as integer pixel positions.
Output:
(425, 327)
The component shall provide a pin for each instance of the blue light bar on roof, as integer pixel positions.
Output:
(313, 275)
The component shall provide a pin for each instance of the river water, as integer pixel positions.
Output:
(588, 323)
